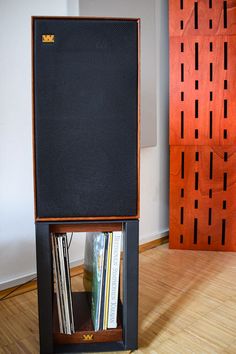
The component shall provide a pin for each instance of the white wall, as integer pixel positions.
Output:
(17, 243)
(17, 240)
(155, 161)
(154, 103)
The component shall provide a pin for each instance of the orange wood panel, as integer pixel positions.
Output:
(205, 13)
(205, 190)
(202, 122)
(210, 95)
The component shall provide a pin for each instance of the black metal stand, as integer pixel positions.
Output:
(130, 292)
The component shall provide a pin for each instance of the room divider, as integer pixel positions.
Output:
(202, 124)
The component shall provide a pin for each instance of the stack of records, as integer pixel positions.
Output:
(63, 283)
(101, 277)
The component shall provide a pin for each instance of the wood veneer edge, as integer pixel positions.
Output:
(84, 218)
(87, 227)
(33, 115)
(138, 119)
(86, 18)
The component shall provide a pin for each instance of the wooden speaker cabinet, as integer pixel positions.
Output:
(86, 161)
(202, 124)
(86, 118)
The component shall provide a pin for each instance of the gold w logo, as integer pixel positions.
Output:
(48, 38)
(87, 337)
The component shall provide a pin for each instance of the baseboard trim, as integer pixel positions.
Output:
(78, 270)
(32, 285)
(154, 243)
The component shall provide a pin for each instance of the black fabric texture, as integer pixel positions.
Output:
(85, 89)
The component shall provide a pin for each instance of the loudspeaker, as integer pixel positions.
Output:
(85, 118)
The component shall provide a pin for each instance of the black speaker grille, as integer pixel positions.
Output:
(85, 99)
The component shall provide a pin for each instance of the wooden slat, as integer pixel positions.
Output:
(90, 218)
(92, 227)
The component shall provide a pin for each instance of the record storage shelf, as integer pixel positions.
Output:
(85, 339)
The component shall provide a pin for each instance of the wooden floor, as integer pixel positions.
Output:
(187, 304)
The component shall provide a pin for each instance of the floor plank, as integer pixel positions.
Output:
(187, 304)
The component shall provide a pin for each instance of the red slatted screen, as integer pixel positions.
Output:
(203, 124)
